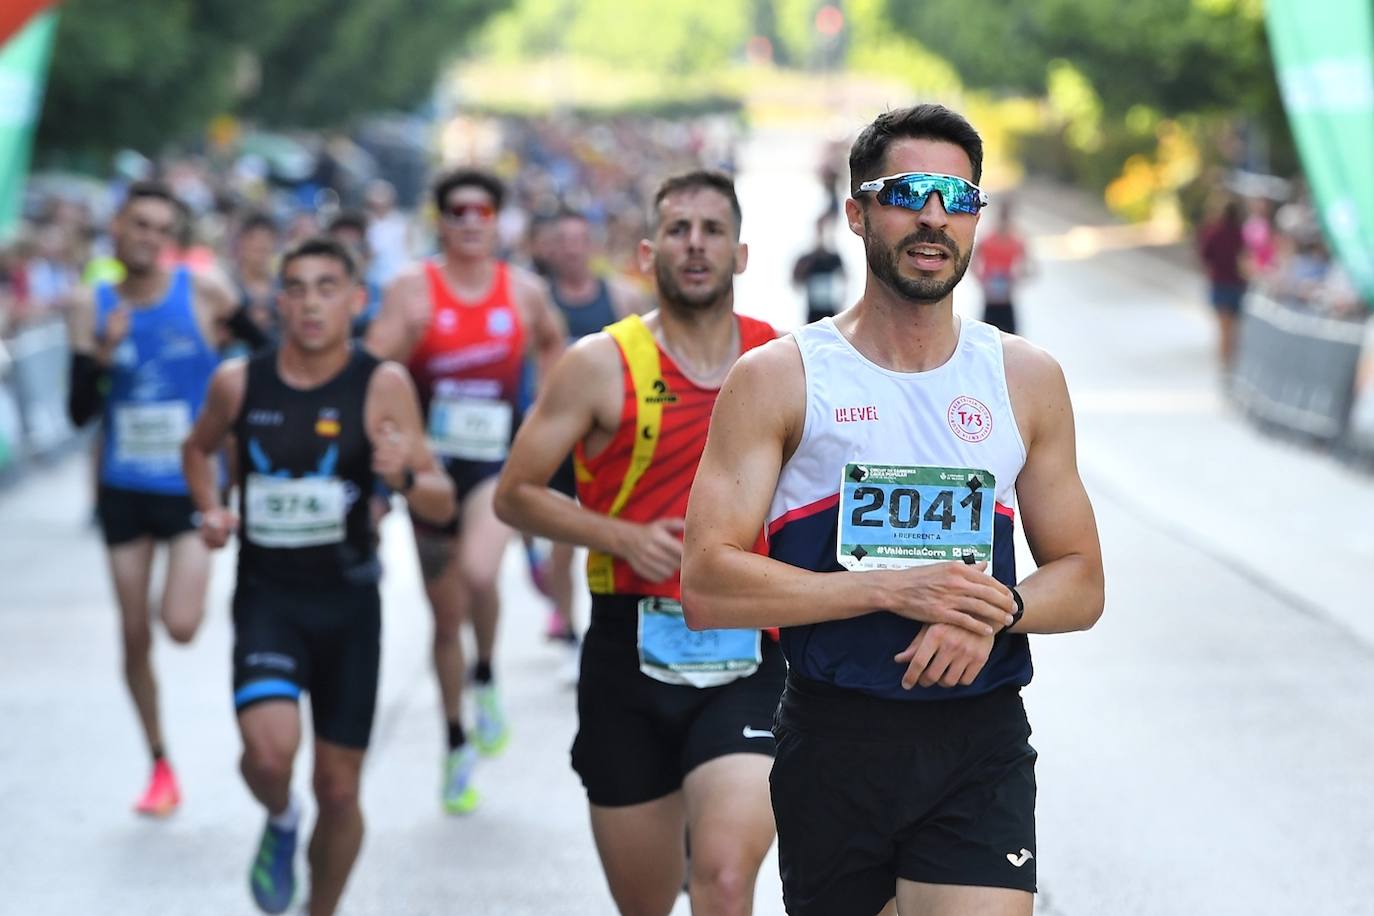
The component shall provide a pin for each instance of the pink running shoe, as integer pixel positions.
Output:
(163, 795)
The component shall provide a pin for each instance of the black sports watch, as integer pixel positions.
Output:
(407, 480)
(1020, 610)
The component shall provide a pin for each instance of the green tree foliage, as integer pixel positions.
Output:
(144, 73)
(337, 58)
(678, 38)
(1176, 56)
(138, 72)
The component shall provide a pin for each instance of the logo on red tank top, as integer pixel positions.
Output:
(969, 418)
(500, 323)
(662, 393)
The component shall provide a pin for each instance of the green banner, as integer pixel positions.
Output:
(23, 73)
(1324, 54)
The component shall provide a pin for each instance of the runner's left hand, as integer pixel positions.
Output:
(944, 654)
(390, 455)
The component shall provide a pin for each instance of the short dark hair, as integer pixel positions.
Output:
(349, 219)
(319, 246)
(566, 212)
(919, 122)
(150, 190)
(466, 177)
(719, 182)
(254, 220)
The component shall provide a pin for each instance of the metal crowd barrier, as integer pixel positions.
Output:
(33, 394)
(1296, 369)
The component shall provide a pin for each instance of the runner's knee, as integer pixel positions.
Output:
(335, 791)
(265, 761)
(725, 877)
(182, 630)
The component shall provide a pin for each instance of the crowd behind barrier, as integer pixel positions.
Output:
(1304, 360)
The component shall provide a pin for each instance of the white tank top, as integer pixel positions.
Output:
(908, 433)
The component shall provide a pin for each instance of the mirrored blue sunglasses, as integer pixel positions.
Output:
(912, 189)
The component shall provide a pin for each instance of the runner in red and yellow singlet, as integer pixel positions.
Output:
(673, 726)
(465, 323)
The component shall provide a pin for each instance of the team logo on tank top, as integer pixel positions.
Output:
(500, 323)
(327, 425)
(969, 418)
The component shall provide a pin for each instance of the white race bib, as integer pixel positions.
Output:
(294, 512)
(473, 429)
(151, 434)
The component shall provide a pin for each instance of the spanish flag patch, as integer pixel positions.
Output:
(327, 427)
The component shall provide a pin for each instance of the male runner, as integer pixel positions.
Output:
(255, 250)
(588, 302)
(672, 731)
(142, 353)
(883, 453)
(1000, 264)
(315, 422)
(350, 228)
(465, 324)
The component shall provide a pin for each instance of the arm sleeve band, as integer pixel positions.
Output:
(246, 329)
(89, 384)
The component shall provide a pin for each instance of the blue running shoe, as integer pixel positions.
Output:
(273, 876)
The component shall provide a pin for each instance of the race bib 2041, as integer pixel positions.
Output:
(897, 516)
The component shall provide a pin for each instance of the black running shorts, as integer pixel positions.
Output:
(325, 641)
(867, 790)
(127, 515)
(637, 737)
(466, 476)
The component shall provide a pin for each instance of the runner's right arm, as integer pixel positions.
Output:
(223, 401)
(92, 355)
(400, 454)
(583, 395)
(755, 427)
(395, 331)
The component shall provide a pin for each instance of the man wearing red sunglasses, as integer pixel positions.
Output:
(465, 323)
(884, 452)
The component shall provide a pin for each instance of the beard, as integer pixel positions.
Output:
(920, 289)
(676, 298)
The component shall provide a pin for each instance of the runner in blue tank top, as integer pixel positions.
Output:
(142, 354)
(884, 455)
(589, 302)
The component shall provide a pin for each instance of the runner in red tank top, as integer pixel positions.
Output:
(673, 726)
(663, 489)
(464, 324)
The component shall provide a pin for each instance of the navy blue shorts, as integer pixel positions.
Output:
(1226, 297)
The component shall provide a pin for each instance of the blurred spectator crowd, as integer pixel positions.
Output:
(247, 197)
(1271, 230)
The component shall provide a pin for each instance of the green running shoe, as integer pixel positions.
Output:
(459, 795)
(492, 733)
